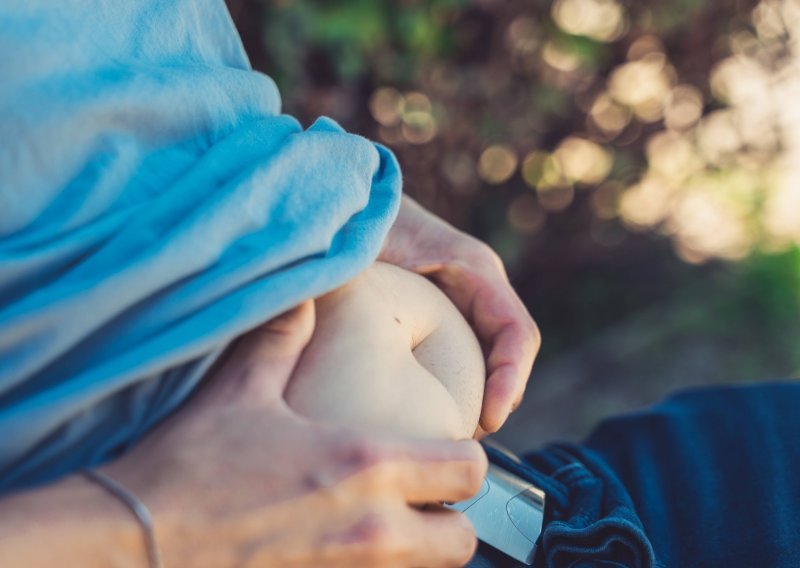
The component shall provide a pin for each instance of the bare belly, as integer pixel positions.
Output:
(390, 353)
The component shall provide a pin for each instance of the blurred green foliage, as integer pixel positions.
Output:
(444, 81)
(359, 37)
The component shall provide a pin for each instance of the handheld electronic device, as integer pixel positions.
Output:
(507, 513)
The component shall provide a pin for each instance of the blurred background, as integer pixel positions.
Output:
(636, 165)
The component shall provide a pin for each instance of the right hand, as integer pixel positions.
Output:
(236, 478)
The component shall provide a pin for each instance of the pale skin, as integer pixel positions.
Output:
(474, 279)
(231, 477)
(407, 363)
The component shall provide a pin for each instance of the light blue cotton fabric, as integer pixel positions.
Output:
(154, 205)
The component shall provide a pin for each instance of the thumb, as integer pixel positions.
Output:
(258, 365)
(282, 338)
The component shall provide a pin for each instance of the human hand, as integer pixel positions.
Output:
(238, 479)
(474, 279)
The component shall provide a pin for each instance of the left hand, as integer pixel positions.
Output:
(474, 279)
(232, 476)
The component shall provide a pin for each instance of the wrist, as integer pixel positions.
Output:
(147, 486)
(123, 541)
(83, 527)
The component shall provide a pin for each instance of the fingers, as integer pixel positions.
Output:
(503, 325)
(442, 538)
(441, 471)
(475, 280)
(398, 536)
(385, 478)
(513, 350)
(283, 337)
(418, 471)
(478, 286)
(479, 433)
(500, 397)
(260, 363)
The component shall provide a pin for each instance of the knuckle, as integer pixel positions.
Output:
(533, 332)
(370, 539)
(374, 529)
(378, 536)
(359, 454)
(531, 335)
(532, 328)
(487, 254)
(323, 479)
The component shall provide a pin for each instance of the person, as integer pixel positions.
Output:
(385, 354)
(389, 354)
(155, 207)
(359, 493)
(409, 367)
(703, 478)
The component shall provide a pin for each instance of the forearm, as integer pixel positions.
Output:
(71, 523)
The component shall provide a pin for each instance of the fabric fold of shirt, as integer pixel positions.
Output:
(713, 472)
(707, 477)
(590, 520)
(154, 205)
(597, 524)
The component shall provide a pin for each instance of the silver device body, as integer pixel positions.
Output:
(507, 513)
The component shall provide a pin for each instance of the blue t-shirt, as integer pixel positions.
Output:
(154, 204)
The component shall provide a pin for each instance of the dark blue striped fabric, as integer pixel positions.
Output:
(710, 477)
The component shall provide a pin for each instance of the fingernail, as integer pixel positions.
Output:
(506, 414)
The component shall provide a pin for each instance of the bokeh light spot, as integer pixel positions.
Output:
(768, 21)
(672, 156)
(603, 20)
(643, 85)
(718, 137)
(609, 116)
(709, 226)
(740, 80)
(497, 164)
(644, 205)
(782, 213)
(684, 107)
(418, 127)
(643, 46)
(417, 102)
(559, 57)
(533, 167)
(583, 161)
(386, 106)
